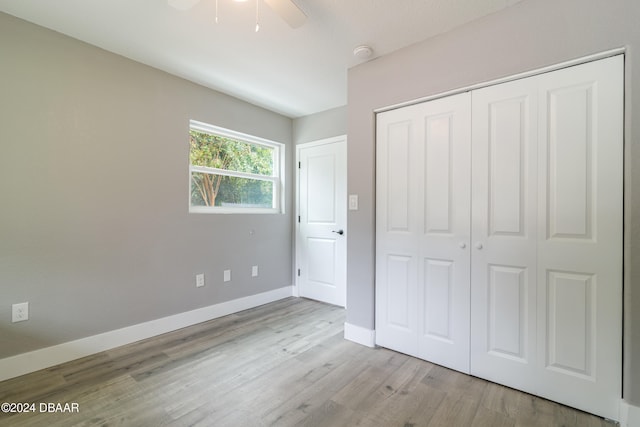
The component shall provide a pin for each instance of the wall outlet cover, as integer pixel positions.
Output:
(200, 280)
(20, 312)
(254, 271)
(227, 275)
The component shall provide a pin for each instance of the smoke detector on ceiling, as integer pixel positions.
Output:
(362, 52)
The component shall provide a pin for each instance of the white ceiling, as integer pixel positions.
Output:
(295, 72)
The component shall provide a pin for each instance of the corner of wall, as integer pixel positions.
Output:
(360, 335)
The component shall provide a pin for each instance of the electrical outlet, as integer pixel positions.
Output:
(227, 275)
(254, 271)
(20, 312)
(199, 280)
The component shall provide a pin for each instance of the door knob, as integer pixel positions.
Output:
(462, 245)
(479, 245)
(340, 232)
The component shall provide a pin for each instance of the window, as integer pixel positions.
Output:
(231, 172)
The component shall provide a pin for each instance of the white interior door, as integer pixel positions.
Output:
(547, 229)
(322, 220)
(422, 231)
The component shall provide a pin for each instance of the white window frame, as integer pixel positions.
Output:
(277, 178)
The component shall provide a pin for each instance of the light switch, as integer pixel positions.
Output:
(200, 280)
(353, 202)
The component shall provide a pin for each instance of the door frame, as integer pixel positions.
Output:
(298, 248)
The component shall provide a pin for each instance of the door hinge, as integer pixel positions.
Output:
(298, 272)
(298, 218)
(299, 165)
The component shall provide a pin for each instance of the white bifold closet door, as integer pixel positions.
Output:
(422, 233)
(505, 221)
(499, 236)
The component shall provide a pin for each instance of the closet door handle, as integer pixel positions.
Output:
(462, 245)
(479, 246)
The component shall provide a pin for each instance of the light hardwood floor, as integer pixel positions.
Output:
(281, 364)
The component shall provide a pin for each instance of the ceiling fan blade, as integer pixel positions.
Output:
(182, 4)
(288, 11)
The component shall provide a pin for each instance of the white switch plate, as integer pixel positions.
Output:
(20, 312)
(353, 202)
(199, 280)
(254, 271)
(227, 275)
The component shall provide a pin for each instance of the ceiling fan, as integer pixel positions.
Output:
(286, 9)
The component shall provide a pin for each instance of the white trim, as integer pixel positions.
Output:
(629, 415)
(236, 174)
(230, 210)
(324, 141)
(566, 64)
(25, 363)
(228, 133)
(360, 335)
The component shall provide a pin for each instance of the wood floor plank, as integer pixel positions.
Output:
(454, 410)
(28, 387)
(428, 400)
(487, 418)
(403, 398)
(306, 395)
(329, 414)
(280, 364)
(502, 400)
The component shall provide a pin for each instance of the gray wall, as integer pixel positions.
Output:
(94, 225)
(325, 124)
(529, 35)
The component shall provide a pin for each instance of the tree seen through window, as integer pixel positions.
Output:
(226, 172)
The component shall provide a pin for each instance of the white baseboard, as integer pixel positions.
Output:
(360, 335)
(629, 415)
(25, 363)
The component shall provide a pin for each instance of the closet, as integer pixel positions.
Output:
(499, 233)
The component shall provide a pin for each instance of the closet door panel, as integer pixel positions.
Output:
(570, 151)
(397, 232)
(507, 296)
(439, 169)
(422, 242)
(571, 342)
(506, 156)
(443, 292)
(396, 158)
(438, 299)
(504, 209)
(580, 236)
